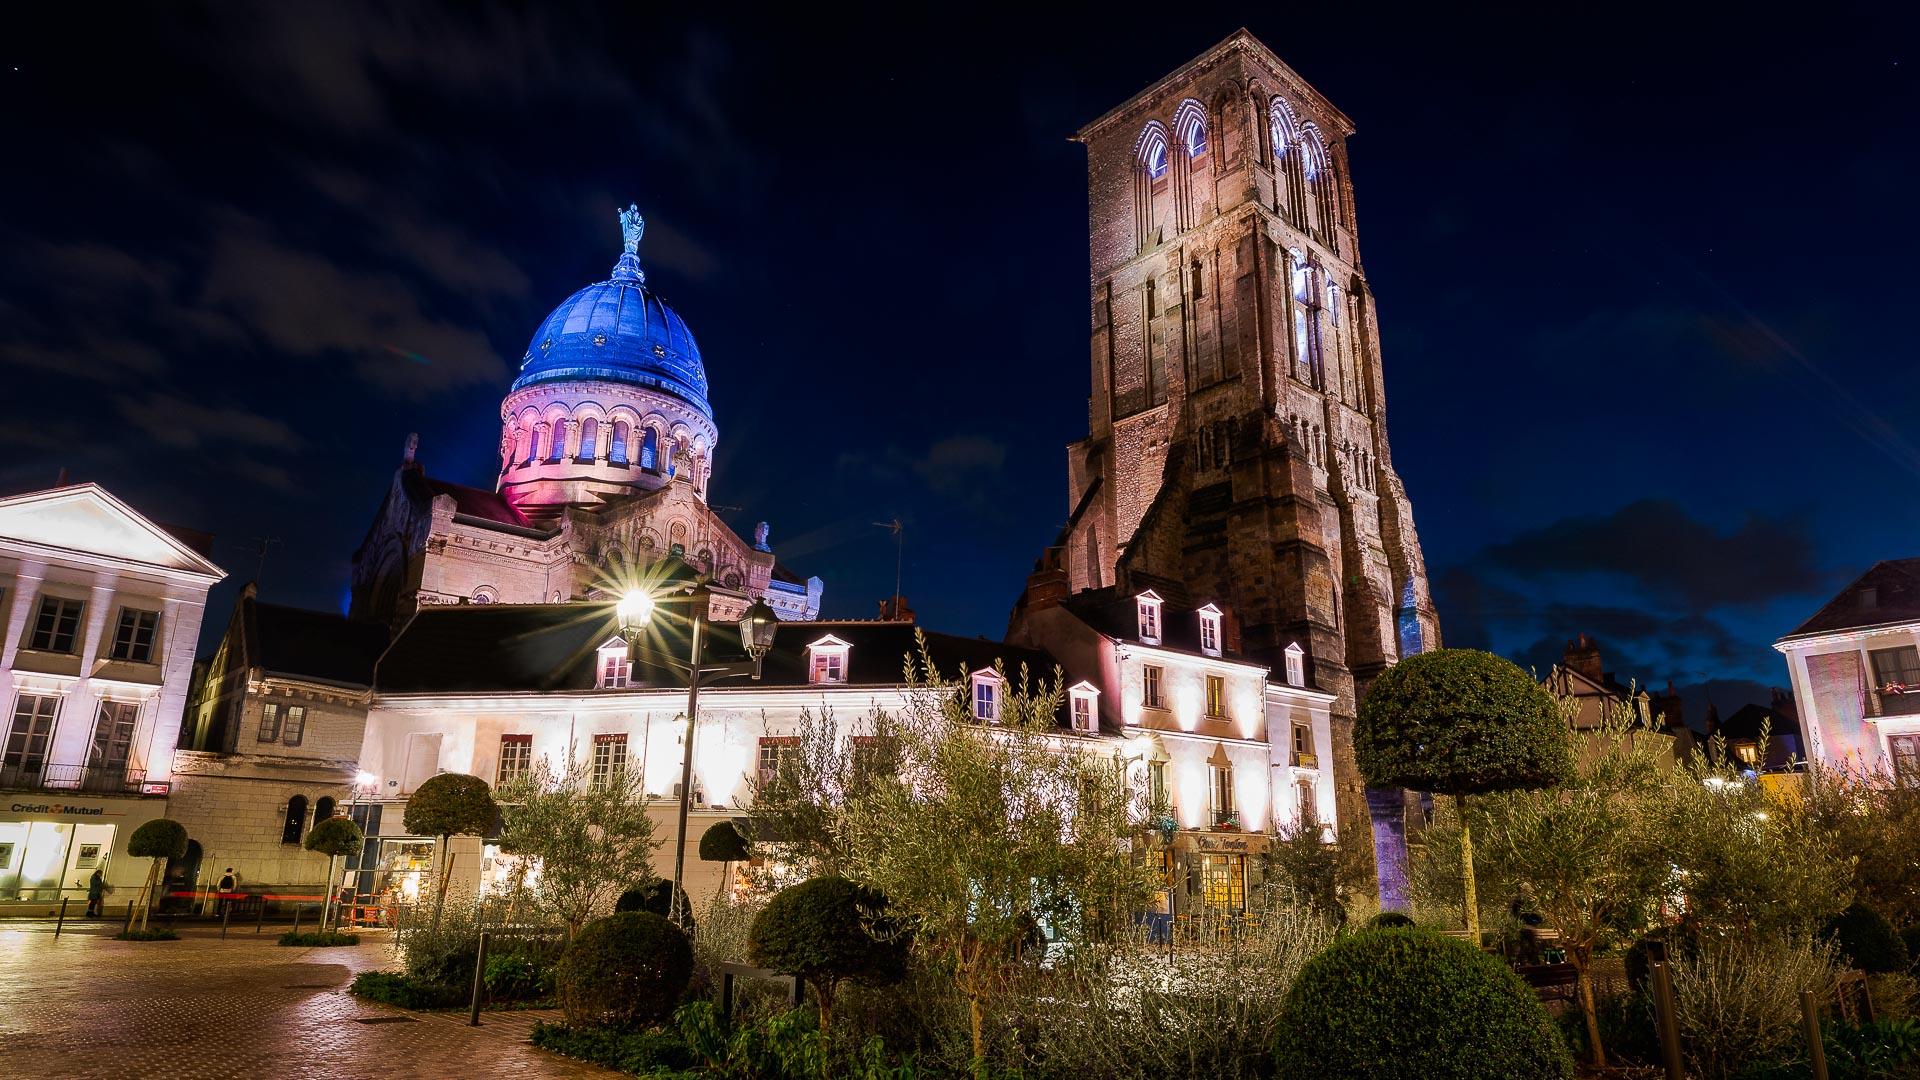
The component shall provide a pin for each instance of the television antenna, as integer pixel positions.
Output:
(899, 531)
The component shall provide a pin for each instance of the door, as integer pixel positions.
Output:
(182, 874)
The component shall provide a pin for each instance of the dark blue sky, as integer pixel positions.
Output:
(1644, 280)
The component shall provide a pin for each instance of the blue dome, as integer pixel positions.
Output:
(618, 331)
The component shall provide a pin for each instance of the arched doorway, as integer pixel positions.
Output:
(181, 875)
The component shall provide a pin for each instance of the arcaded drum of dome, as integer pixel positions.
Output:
(618, 331)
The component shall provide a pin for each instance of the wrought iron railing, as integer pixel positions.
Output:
(97, 778)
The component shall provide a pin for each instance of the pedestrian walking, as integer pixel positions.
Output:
(96, 891)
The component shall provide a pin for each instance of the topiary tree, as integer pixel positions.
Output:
(451, 804)
(630, 967)
(334, 837)
(653, 897)
(1389, 920)
(1400, 1002)
(1460, 722)
(160, 839)
(1867, 940)
(724, 843)
(827, 929)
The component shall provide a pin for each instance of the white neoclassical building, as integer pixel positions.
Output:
(1855, 669)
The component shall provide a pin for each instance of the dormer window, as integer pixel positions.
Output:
(1210, 630)
(987, 686)
(1296, 665)
(1148, 607)
(616, 666)
(1083, 707)
(827, 660)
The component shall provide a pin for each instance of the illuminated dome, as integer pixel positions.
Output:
(618, 331)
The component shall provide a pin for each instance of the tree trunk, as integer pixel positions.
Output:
(1471, 899)
(969, 973)
(823, 990)
(326, 904)
(146, 892)
(1582, 957)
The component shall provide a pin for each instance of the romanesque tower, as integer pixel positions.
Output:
(1238, 440)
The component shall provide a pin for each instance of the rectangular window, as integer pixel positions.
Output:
(1210, 635)
(1149, 622)
(1216, 697)
(1150, 686)
(1296, 667)
(29, 737)
(1304, 802)
(779, 757)
(829, 666)
(1082, 713)
(1896, 678)
(57, 628)
(1906, 757)
(616, 670)
(113, 736)
(1157, 783)
(609, 758)
(270, 722)
(133, 638)
(986, 700)
(1222, 793)
(516, 757)
(295, 727)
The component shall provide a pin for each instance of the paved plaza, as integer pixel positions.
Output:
(86, 1006)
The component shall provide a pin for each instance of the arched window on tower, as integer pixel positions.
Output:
(533, 445)
(1306, 324)
(1314, 169)
(649, 450)
(1190, 126)
(1285, 135)
(296, 822)
(322, 808)
(617, 454)
(519, 452)
(1150, 183)
(1198, 291)
(589, 439)
(557, 442)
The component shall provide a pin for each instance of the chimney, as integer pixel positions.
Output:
(1667, 707)
(1583, 656)
(1047, 586)
(895, 609)
(1713, 720)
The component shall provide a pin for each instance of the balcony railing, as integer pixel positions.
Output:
(1304, 760)
(95, 778)
(1896, 702)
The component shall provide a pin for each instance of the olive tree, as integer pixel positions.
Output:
(334, 837)
(1588, 853)
(592, 838)
(1460, 722)
(824, 930)
(160, 839)
(984, 832)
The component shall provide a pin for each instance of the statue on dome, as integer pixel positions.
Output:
(631, 226)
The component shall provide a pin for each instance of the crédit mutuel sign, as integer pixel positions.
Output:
(70, 809)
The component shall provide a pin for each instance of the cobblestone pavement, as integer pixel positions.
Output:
(86, 1006)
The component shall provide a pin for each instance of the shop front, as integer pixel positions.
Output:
(50, 846)
(1210, 871)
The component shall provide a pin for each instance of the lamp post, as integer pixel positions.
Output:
(635, 612)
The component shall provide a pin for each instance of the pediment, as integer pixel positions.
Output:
(87, 519)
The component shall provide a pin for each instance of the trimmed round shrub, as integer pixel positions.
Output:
(451, 804)
(334, 837)
(826, 929)
(722, 842)
(161, 838)
(653, 897)
(1390, 919)
(1460, 722)
(1867, 940)
(629, 968)
(1398, 1002)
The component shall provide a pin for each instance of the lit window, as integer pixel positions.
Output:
(1157, 783)
(1083, 707)
(557, 447)
(1216, 696)
(1150, 686)
(58, 626)
(1210, 630)
(617, 450)
(295, 727)
(1222, 792)
(1296, 665)
(986, 699)
(1082, 714)
(616, 667)
(28, 739)
(779, 757)
(1157, 160)
(609, 759)
(133, 639)
(269, 722)
(516, 757)
(1148, 608)
(827, 661)
(1190, 124)
(649, 449)
(113, 738)
(589, 439)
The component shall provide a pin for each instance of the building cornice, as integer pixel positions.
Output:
(1793, 642)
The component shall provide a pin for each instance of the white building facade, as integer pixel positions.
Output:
(1855, 669)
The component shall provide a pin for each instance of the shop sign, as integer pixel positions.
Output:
(67, 809)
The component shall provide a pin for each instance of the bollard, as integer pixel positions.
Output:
(1810, 1019)
(296, 918)
(1669, 1027)
(261, 919)
(479, 972)
(63, 917)
(129, 926)
(225, 913)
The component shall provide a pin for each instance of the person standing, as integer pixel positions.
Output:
(96, 891)
(229, 884)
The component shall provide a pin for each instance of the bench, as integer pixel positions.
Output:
(1550, 981)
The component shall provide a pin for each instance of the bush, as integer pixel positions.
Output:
(1737, 999)
(161, 838)
(321, 939)
(1867, 940)
(722, 842)
(628, 968)
(397, 988)
(638, 1052)
(451, 804)
(1398, 1002)
(827, 929)
(518, 976)
(1911, 938)
(1390, 919)
(653, 897)
(159, 933)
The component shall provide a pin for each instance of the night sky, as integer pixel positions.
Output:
(1644, 280)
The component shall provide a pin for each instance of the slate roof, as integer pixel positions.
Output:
(469, 502)
(1744, 723)
(1115, 614)
(1892, 585)
(553, 648)
(314, 645)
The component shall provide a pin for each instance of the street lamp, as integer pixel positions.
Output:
(635, 612)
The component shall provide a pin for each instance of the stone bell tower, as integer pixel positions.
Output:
(1237, 423)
